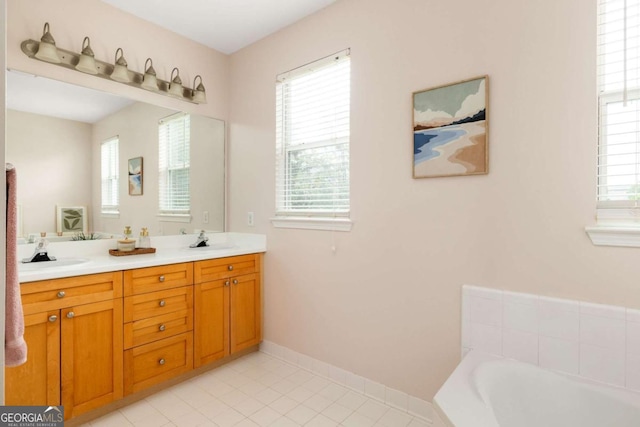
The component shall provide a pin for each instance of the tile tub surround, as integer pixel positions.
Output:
(413, 406)
(598, 342)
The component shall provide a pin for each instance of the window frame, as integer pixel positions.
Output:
(169, 213)
(285, 215)
(617, 221)
(110, 210)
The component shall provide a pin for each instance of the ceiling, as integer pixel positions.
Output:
(224, 25)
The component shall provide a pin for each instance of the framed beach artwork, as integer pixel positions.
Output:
(450, 126)
(135, 176)
(71, 219)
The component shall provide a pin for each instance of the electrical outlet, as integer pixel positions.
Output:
(250, 219)
(205, 217)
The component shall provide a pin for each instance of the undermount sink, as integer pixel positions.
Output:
(60, 262)
(215, 246)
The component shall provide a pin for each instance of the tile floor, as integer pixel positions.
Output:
(258, 390)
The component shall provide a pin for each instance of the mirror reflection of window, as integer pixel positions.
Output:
(174, 164)
(109, 166)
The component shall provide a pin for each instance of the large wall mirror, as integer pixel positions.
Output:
(55, 133)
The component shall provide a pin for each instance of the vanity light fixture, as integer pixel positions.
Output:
(149, 80)
(198, 94)
(175, 87)
(87, 62)
(47, 50)
(120, 71)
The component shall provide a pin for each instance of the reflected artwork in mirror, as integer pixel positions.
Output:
(55, 132)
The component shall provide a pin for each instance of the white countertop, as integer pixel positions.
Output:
(169, 250)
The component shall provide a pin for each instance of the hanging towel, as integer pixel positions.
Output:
(15, 348)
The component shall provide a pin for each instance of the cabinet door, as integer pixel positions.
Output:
(37, 382)
(91, 356)
(246, 312)
(211, 324)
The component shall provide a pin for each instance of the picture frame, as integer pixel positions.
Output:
(450, 129)
(71, 219)
(135, 168)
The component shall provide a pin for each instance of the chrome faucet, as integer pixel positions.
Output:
(40, 253)
(201, 241)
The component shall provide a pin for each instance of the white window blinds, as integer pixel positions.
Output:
(619, 105)
(312, 138)
(109, 176)
(174, 161)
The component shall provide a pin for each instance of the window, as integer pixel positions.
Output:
(312, 140)
(109, 176)
(619, 96)
(174, 141)
(618, 178)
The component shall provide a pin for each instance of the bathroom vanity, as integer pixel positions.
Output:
(112, 327)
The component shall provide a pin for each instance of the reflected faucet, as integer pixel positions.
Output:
(201, 241)
(40, 253)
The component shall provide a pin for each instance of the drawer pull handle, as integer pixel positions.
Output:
(162, 328)
(230, 268)
(162, 303)
(71, 315)
(61, 294)
(235, 281)
(161, 278)
(53, 318)
(227, 283)
(161, 362)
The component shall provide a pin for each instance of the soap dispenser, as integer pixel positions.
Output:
(144, 241)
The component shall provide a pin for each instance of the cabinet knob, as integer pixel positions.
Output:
(53, 318)
(235, 281)
(230, 268)
(161, 278)
(71, 315)
(227, 283)
(161, 362)
(162, 303)
(162, 328)
(61, 294)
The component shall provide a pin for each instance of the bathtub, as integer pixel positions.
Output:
(488, 391)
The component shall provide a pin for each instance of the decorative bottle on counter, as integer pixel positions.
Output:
(126, 244)
(144, 241)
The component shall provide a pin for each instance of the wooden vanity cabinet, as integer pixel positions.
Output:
(73, 329)
(227, 306)
(158, 329)
(95, 338)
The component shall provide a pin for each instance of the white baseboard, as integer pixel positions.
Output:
(402, 401)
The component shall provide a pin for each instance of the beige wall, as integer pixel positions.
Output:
(137, 129)
(53, 163)
(386, 305)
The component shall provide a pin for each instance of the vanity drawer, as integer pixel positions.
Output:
(143, 280)
(157, 303)
(159, 361)
(153, 329)
(221, 268)
(53, 294)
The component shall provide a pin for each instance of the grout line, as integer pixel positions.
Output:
(264, 348)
